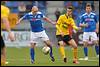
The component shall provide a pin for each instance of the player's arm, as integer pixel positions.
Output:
(24, 17)
(58, 25)
(7, 26)
(74, 25)
(82, 24)
(97, 23)
(97, 27)
(6, 23)
(19, 20)
(48, 20)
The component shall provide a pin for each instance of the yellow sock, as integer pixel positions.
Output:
(75, 53)
(2, 62)
(62, 51)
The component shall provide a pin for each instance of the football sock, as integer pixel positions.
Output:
(62, 51)
(97, 49)
(51, 53)
(32, 53)
(75, 53)
(86, 51)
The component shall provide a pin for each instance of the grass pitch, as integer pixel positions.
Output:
(21, 57)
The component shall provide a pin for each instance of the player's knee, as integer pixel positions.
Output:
(33, 45)
(61, 43)
(85, 44)
(95, 42)
(48, 43)
(75, 46)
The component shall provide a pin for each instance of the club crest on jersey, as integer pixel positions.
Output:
(38, 16)
(92, 16)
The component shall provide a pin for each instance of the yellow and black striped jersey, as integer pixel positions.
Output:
(64, 24)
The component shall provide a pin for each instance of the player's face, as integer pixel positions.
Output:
(88, 9)
(69, 11)
(34, 9)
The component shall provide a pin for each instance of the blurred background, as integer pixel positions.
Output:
(51, 9)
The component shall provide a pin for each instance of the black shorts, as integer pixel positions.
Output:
(65, 38)
(2, 43)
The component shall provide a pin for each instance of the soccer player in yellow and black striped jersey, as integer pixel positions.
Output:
(64, 24)
(4, 18)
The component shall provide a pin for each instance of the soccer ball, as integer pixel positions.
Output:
(46, 50)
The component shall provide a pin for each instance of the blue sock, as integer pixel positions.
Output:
(97, 49)
(51, 54)
(86, 51)
(32, 53)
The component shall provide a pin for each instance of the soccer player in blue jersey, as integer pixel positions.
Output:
(89, 24)
(37, 31)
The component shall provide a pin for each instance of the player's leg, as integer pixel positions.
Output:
(48, 43)
(61, 47)
(46, 40)
(85, 44)
(3, 52)
(75, 51)
(32, 46)
(71, 41)
(95, 42)
(32, 52)
(97, 37)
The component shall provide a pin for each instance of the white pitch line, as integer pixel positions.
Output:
(56, 59)
(89, 60)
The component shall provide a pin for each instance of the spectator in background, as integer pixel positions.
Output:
(76, 8)
(57, 14)
(75, 4)
(66, 4)
(21, 8)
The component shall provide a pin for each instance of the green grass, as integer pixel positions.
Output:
(21, 57)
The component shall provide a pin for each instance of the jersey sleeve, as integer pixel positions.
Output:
(81, 19)
(43, 15)
(58, 23)
(5, 12)
(96, 19)
(25, 16)
(74, 25)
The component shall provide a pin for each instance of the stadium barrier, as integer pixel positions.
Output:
(22, 39)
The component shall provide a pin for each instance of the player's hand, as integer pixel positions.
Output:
(85, 25)
(11, 36)
(79, 28)
(62, 34)
(17, 23)
(97, 31)
(54, 23)
(76, 30)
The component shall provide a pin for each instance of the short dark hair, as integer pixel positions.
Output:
(88, 5)
(3, 2)
(70, 7)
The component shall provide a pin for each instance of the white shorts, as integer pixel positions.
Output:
(91, 35)
(36, 35)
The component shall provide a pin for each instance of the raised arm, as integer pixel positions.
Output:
(24, 17)
(20, 20)
(48, 20)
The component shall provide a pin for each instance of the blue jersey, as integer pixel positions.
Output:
(91, 20)
(35, 21)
